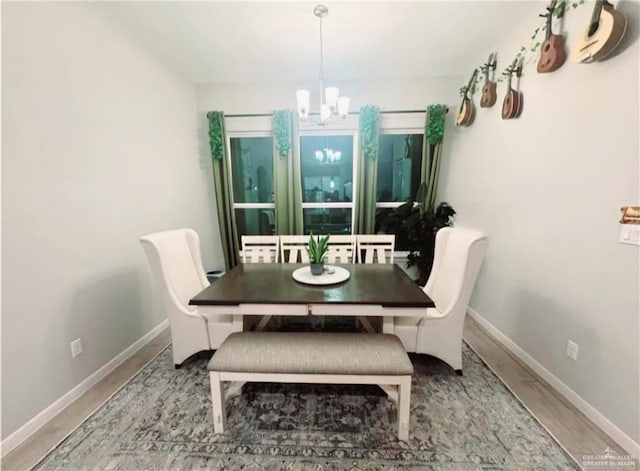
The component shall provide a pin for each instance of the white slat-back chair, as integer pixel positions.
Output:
(259, 249)
(293, 249)
(375, 248)
(342, 249)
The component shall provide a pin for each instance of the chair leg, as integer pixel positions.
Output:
(459, 372)
(177, 367)
(404, 398)
(217, 401)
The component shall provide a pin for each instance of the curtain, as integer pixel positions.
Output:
(365, 205)
(223, 188)
(286, 174)
(432, 154)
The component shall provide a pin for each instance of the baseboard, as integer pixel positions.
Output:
(608, 427)
(28, 429)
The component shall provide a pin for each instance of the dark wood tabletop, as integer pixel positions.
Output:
(272, 283)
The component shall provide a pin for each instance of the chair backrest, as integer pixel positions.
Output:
(176, 264)
(293, 249)
(259, 249)
(457, 259)
(341, 249)
(376, 248)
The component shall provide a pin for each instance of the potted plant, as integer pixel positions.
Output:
(415, 229)
(317, 250)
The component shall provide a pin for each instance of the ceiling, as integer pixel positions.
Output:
(208, 42)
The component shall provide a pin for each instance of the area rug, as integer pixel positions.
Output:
(161, 420)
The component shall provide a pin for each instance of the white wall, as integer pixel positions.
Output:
(99, 147)
(547, 188)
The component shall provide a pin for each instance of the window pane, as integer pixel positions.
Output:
(327, 168)
(255, 221)
(327, 178)
(327, 220)
(252, 169)
(399, 163)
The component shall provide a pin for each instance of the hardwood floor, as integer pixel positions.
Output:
(577, 434)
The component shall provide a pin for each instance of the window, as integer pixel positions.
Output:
(252, 181)
(399, 167)
(327, 168)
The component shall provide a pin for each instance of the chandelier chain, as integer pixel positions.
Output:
(322, 97)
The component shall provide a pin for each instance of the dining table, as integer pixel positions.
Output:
(287, 289)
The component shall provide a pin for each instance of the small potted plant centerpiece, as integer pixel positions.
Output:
(317, 250)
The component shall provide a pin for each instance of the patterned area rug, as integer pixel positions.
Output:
(161, 420)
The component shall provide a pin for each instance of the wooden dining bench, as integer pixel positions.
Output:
(310, 357)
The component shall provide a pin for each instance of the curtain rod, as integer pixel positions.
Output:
(261, 115)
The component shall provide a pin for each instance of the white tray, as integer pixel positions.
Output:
(303, 275)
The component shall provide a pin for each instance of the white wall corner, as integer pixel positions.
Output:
(624, 440)
(28, 429)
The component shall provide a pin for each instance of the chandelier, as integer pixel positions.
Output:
(330, 101)
(328, 156)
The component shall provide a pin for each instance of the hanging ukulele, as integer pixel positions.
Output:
(467, 112)
(512, 104)
(602, 36)
(489, 95)
(552, 54)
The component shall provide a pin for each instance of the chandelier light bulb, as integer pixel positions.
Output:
(325, 113)
(331, 96)
(343, 106)
(303, 99)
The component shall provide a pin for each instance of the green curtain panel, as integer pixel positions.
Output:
(365, 209)
(286, 172)
(223, 189)
(432, 153)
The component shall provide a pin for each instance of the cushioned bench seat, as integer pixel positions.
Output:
(309, 357)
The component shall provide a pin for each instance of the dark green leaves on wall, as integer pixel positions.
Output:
(282, 132)
(216, 134)
(434, 125)
(369, 116)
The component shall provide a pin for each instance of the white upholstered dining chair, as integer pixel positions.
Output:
(293, 249)
(176, 265)
(259, 249)
(375, 248)
(457, 259)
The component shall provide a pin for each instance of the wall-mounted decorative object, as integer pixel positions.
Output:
(489, 95)
(630, 215)
(512, 103)
(630, 225)
(552, 53)
(602, 35)
(467, 112)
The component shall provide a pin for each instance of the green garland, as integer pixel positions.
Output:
(434, 124)
(282, 132)
(369, 115)
(216, 142)
(526, 54)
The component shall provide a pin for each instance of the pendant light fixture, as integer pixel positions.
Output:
(331, 103)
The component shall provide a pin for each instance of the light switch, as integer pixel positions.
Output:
(630, 234)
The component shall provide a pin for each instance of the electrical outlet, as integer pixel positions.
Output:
(76, 348)
(572, 350)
